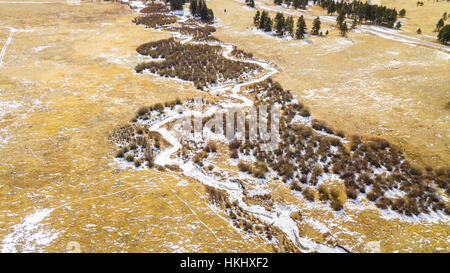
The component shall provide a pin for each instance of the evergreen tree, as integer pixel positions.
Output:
(268, 24)
(301, 28)
(444, 16)
(402, 13)
(444, 35)
(279, 24)
(250, 3)
(290, 25)
(439, 25)
(316, 26)
(193, 7)
(256, 18)
(344, 29)
(419, 31)
(398, 25)
(354, 23)
(263, 19)
(176, 4)
(340, 19)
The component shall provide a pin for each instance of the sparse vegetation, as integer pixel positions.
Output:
(207, 64)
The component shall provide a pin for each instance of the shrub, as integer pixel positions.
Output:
(120, 154)
(295, 186)
(384, 203)
(309, 194)
(244, 167)
(129, 158)
(351, 192)
(304, 112)
(211, 147)
(133, 146)
(137, 163)
(142, 111)
(323, 193)
(321, 126)
(340, 133)
(234, 153)
(296, 215)
(337, 204)
(198, 158)
(158, 107)
(259, 170)
(317, 171)
(235, 144)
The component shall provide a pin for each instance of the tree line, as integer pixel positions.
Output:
(200, 9)
(176, 4)
(297, 4)
(282, 25)
(363, 12)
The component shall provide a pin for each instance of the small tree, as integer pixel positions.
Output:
(340, 19)
(268, 24)
(444, 35)
(290, 25)
(402, 13)
(354, 23)
(398, 25)
(279, 23)
(193, 7)
(301, 28)
(263, 19)
(316, 26)
(419, 31)
(344, 29)
(439, 25)
(256, 18)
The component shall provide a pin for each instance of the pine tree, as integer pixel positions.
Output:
(193, 7)
(250, 3)
(176, 4)
(344, 29)
(256, 18)
(402, 13)
(262, 20)
(290, 25)
(398, 25)
(316, 26)
(354, 23)
(340, 19)
(444, 35)
(301, 28)
(279, 24)
(439, 25)
(268, 24)
(419, 31)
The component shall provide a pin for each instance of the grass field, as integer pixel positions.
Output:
(361, 84)
(67, 79)
(64, 85)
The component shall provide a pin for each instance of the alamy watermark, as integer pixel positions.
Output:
(250, 123)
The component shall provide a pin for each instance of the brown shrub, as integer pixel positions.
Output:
(211, 147)
(244, 167)
(351, 191)
(309, 194)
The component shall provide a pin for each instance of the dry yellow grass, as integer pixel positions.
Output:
(362, 84)
(62, 101)
(63, 88)
(424, 17)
